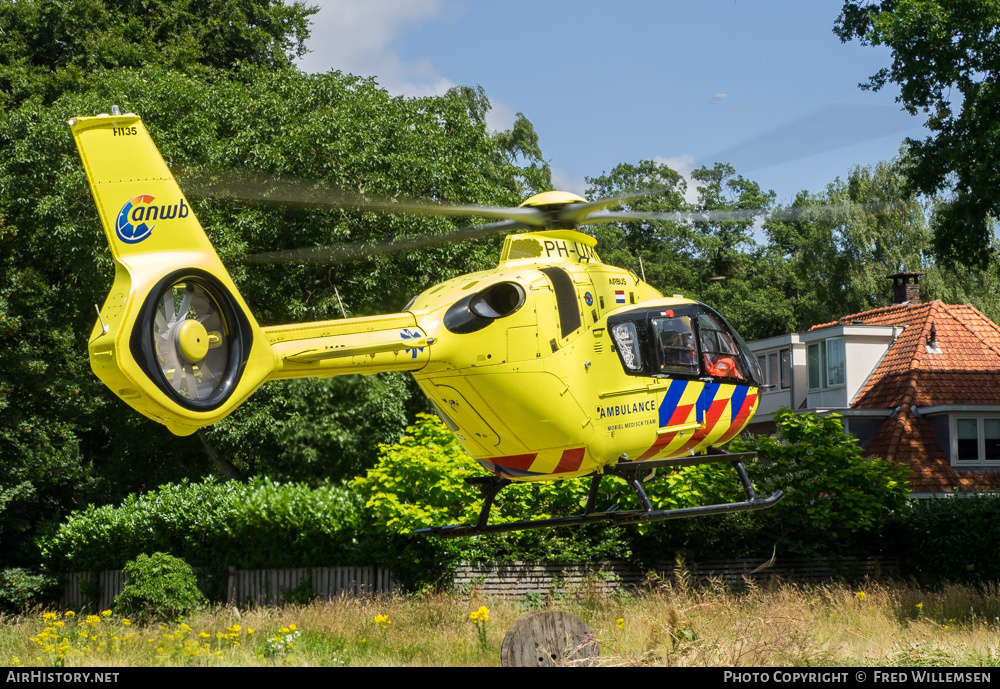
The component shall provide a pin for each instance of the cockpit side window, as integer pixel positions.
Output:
(627, 342)
(674, 343)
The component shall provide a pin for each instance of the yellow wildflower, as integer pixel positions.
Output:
(620, 622)
(860, 595)
(106, 613)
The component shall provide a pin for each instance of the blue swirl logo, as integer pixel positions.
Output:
(134, 219)
(130, 227)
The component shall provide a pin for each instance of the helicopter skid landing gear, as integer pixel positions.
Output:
(631, 472)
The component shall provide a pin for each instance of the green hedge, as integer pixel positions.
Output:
(949, 539)
(258, 524)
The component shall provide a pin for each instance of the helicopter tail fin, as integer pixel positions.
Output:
(174, 338)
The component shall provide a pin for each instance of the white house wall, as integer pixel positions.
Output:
(864, 347)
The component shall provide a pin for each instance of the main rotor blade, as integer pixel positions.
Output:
(793, 214)
(675, 216)
(577, 213)
(343, 253)
(256, 187)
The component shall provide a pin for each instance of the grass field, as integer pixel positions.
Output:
(674, 624)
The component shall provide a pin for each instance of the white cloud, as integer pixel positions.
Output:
(684, 164)
(501, 117)
(357, 36)
(563, 182)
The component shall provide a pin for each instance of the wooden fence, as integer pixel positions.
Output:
(259, 586)
(531, 578)
(516, 579)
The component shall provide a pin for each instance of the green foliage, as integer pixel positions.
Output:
(21, 589)
(158, 587)
(716, 261)
(419, 482)
(945, 62)
(834, 255)
(247, 525)
(312, 430)
(49, 45)
(843, 242)
(830, 487)
(837, 502)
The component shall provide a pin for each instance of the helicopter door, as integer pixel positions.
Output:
(674, 344)
(472, 426)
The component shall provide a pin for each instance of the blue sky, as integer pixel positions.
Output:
(605, 84)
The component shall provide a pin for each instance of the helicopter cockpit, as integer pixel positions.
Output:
(686, 341)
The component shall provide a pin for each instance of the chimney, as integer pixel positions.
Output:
(906, 288)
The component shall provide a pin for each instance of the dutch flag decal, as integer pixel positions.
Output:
(619, 296)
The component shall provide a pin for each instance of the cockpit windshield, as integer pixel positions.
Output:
(718, 349)
(686, 341)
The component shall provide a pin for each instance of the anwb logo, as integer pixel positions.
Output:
(135, 219)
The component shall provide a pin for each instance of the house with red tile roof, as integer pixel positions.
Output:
(917, 383)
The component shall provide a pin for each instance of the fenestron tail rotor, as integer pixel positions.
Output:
(189, 335)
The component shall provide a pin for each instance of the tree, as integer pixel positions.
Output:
(47, 45)
(736, 275)
(842, 243)
(715, 260)
(946, 61)
(830, 487)
(662, 252)
(64, 439)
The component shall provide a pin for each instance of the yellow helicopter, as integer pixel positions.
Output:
(553, 365)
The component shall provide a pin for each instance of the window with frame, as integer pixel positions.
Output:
(776, 368)
(977, 441)
(785, 363)
(826, 364)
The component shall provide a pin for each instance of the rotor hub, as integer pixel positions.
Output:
(192, 340)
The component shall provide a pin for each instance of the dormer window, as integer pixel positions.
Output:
(826, 364)
(776, 367)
